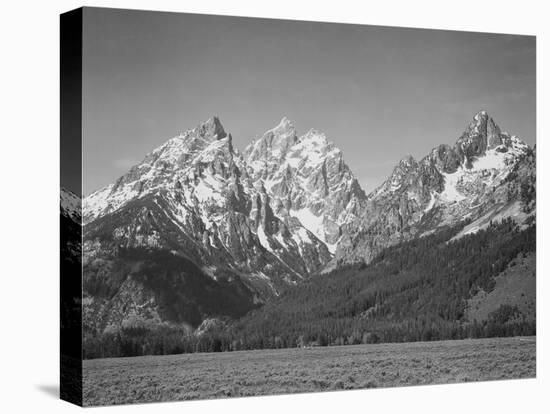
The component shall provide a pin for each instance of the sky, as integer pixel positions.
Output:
(378, 93)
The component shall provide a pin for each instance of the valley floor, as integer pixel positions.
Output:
(244, 373)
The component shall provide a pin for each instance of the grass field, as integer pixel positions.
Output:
(233, 374)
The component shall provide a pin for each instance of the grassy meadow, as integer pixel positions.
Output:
(281, 371)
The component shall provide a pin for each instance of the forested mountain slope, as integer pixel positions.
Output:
(417, 290)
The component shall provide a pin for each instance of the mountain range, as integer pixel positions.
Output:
(200, 230)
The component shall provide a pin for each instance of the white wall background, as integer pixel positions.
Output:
(29, 158)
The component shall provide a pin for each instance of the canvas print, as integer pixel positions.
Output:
(259, 206)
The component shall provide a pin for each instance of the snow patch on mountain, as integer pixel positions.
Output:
(310, 221)
(264, 241)
(431, 203)
(492, 160)
(71, 205)
(451, 193)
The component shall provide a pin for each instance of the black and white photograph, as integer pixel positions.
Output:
(273, 207)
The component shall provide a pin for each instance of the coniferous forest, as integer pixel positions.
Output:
(413, 291)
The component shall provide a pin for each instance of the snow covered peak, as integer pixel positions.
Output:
(283, 133)
(282, 143)
(203, 152)
(283, 128)
(208, 131)
(486, 175)
(483, 153)
(71, 205)
(273, 144)
(306, 179)
(481, 135)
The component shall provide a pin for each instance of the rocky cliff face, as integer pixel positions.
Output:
(487, 175)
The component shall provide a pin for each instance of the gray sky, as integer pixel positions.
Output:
(379, 93)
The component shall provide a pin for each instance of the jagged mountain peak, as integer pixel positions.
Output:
(204, 150)
(407, 161)
(306, 178)
(486, 175)
(285, 123)
(274, 143)
(481, 115)
(213, 128)
(479, 123)
(483, 145)
(481, 134)
(210, 130)
(285, 128)
(404, 168)
(406, 164)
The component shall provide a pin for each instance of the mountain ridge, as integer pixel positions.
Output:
(449, 184)
(252, 224)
